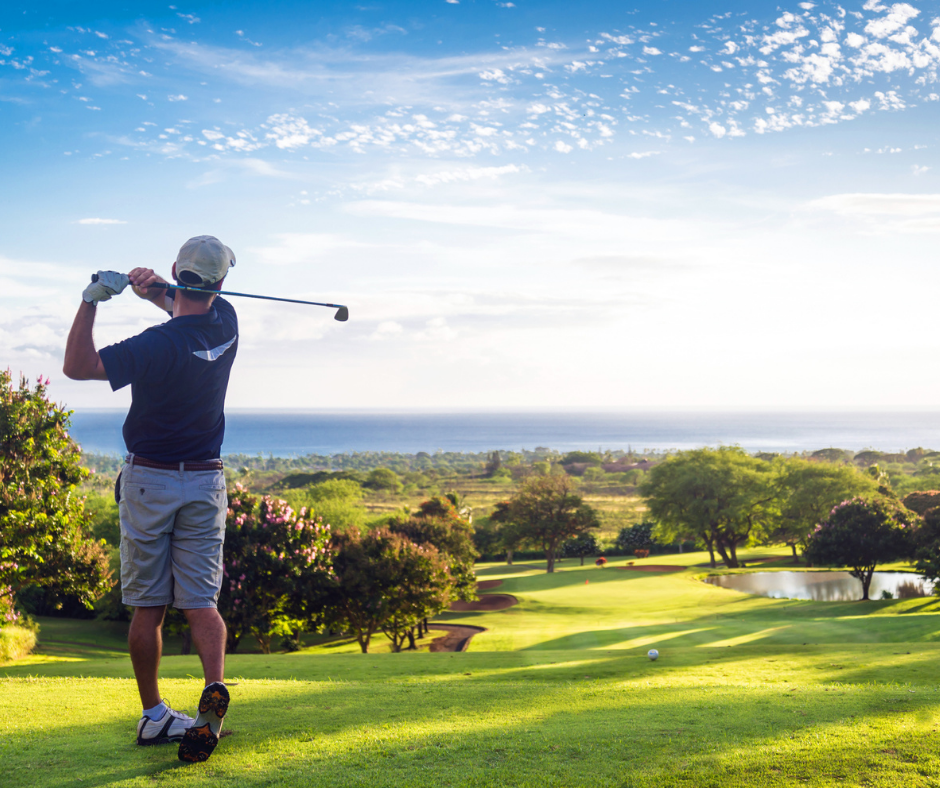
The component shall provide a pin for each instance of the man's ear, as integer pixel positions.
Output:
(173, 272)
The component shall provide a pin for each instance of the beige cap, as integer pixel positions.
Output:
(203, 261)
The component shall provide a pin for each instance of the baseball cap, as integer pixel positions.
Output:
(203, 261)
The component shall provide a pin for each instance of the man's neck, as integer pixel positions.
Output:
(183, 306)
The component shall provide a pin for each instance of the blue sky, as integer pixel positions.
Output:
(675, 205)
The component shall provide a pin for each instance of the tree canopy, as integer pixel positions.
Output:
(860, 535)
(548, 512)
(719, 496)
(806, 492)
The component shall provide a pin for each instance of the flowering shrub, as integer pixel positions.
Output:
(860, 535)
(44, 535)
(641, 553)
(921, 502)
(276, 563)
(601, 562)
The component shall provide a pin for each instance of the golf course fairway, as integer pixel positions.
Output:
(558, 691)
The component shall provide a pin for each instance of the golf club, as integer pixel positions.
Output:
(342, 312)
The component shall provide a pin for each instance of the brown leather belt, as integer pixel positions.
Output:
(203, 465)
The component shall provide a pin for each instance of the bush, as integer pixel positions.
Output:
(384, 479)
(920, 502)
(276, 564)
(44, 530)
(16, 642)
(911, 589)
(635, 537)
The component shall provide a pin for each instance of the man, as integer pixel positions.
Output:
(171, 491)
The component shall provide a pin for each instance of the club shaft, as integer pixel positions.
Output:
(245, 295)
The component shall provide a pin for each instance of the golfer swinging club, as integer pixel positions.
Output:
(171, 490)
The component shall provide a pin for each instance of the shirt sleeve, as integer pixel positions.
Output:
(226, 313)
(146, 358)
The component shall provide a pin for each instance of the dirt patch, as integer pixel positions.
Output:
(486, 585)
(655, 568)
(486, 603)
(455, 638)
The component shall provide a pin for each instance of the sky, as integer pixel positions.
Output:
(672, 205)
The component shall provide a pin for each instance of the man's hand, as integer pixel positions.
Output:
(141, 279)
(106, 284)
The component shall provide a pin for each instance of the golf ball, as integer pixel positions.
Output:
(653, 654)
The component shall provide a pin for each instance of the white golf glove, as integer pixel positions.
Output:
(104, 285)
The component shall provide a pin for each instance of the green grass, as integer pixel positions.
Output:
(557, 692)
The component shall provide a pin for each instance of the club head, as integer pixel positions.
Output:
(342, 314)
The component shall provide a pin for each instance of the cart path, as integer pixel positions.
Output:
(456, 638)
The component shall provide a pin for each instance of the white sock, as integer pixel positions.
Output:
(157, 711)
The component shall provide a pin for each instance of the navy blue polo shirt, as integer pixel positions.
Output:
(178, 372)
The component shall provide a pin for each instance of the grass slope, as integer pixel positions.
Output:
(558, 692)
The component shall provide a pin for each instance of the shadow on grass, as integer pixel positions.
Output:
(483, 732)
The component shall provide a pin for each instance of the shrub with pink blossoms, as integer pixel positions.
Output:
(276, 564)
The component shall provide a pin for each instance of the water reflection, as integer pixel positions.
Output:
(818, 586)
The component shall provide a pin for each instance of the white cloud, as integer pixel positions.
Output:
(177, 97)
(99, 221)
(894, 20)
(562, 147)
(466, 174)
(717, 129)
(387, 329)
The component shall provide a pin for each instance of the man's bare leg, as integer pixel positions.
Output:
(209, 635)
(145, 640)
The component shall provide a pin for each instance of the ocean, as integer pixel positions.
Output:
(296, 433)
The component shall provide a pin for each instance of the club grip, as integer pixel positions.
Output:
(94, 277)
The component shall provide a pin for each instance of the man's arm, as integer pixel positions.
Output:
(142, 279)
(82, 361)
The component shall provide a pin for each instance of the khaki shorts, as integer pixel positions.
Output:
(172, 530)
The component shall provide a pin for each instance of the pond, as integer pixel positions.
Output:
(820, 586)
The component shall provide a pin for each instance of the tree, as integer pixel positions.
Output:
(493, 463)
(277, 567)
(721, 497)
(862, 534)
(928, 546)
(45, 536)
(581, 546)
(635, 537)
(384, 479)
(384, 581)
(508, 535)
(548, 513)
(589, 457)
(806, 493)
(438, 523)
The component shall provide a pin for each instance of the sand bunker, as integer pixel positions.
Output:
(455, 638)
(654, 568)
(486, 603)
(486, 585)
